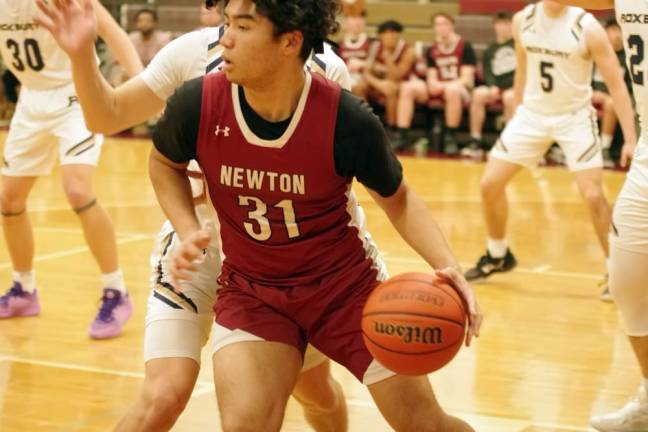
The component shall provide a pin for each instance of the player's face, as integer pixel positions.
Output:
(145, 23)
(252, 54)
(354, 24)
(389, 39)
(503, 29)
(443, 27)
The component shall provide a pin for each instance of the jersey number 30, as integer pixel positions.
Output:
(262, 232)
(31, 52)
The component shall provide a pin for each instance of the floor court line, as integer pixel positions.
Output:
(541, 270)
(82, 368)
(205, 387)
(81, 249)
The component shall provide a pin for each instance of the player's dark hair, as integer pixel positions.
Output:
(503, 15)
(444, 15)
(315, 19)
(390, 25)
(146, 11)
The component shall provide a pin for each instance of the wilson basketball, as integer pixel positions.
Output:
(414, 324)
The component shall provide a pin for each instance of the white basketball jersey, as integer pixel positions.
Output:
(30, 52)
(559, 68)
(632, 15)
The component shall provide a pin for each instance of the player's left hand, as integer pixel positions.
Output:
(72, 23)
(627, 153)
(455, 278)
(187, 257)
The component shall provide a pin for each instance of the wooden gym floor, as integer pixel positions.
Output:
(550, 353)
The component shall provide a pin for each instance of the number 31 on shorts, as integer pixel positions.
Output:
(258, 214)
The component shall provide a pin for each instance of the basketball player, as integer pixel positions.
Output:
(354, 50)
(629, 234)
(279, 150)
(391, 60)
(556, 48)
(178, 324)
(48, 123)
(449, 77)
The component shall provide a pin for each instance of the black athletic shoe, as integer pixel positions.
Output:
(488, 265)
(450, 145)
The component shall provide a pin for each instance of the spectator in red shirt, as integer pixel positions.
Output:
(391, 61)
(354, 50)
(451, 74)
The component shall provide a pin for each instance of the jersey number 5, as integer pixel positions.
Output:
(547, 79)
(32, 55)
(636, 46)
(263, 232)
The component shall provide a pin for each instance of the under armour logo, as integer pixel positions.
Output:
(225, 131)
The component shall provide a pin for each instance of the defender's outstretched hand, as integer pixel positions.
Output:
(72, 23)
(190, 253)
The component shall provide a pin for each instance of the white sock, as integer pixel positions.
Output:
(606, 141)
(497, 247)
(114, 280)
(26, 279)
(476, 136)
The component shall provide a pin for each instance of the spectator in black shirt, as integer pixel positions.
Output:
(499, 70)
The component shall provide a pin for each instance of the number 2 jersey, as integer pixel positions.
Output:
(632, 16)
(559, 68)
(282, 191)
(29, 51)
(630, 210)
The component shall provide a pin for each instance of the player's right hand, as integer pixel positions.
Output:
(627, 153)
(72, 23)
(186, 258)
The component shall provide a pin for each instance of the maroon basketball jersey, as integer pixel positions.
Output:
(281, 205)
(358, 49)
(378, 56)
(448, 63)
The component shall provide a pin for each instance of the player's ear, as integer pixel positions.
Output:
(292, 42)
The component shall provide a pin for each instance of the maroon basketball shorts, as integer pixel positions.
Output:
(326, 314)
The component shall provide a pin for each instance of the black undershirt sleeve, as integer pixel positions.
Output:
(176, 134)
(362, 149)
(469, 56)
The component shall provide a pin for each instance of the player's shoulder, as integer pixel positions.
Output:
(196, 39)
(356, 113)
(328, 60)
(187, 94)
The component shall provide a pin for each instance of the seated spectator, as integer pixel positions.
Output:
(450, 79)
(354, 50)
(601, 96)
(391, 61)
(212, 16)
(148, 40)
(499, 70)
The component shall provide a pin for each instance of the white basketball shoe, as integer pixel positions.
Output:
(633, 417)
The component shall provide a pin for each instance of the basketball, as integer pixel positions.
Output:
(414, 323)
